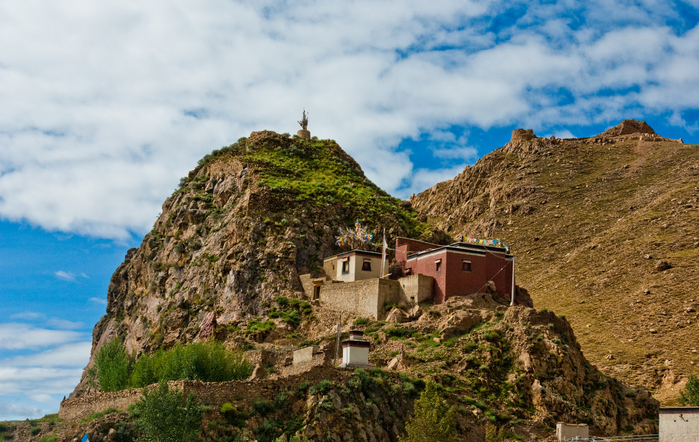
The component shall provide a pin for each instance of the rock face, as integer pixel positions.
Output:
(627, 127)
(580, 216)
(236, 234)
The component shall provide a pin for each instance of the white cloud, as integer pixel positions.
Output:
(69, 355)
(10, 411)
(563, 133)
(423, 178)
(98, 301)
(17, 336)
(66, 276)
(64, 324)
(43, 397)
(32, 385)
(27, 315)
(106, 105)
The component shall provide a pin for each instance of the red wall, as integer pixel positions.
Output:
(453, 281)
(405, 245)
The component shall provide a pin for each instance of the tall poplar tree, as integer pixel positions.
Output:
(433, 419)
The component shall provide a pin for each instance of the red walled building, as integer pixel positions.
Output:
(458, 269)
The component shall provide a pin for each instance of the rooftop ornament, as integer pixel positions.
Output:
(356, 238)
(304, 132)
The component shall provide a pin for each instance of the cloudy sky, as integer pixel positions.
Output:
(104, 105)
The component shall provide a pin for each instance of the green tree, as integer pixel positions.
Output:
(113, 366)
(164, 415)
(493, 434)
(433, 419)
(690, 394)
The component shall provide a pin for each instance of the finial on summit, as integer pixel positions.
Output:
(304, 132)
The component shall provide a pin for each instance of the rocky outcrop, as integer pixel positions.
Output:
(628, 127)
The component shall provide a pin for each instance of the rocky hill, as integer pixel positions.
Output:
(237, 233)
(605, 230)
(223, 262)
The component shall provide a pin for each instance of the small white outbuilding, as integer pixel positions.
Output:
(355, 350)
(680, 424)
(566, 431)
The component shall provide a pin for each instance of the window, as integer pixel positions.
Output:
(345, 266)
(438, 265)
(366, 265)
(466, 266)
(316, 292)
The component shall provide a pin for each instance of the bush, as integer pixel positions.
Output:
(690, 394)
(266, 431)
(256, 326)
(113, 366)
(208, 362)
(166, 416)
(227, 408)
(400, 333)
(321, 387)
(262, 406)
(433, 419)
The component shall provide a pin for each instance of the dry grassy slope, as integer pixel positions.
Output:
(582, 217)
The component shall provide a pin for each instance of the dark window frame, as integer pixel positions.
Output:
(366, 265)
(466, 265)
(345, 266)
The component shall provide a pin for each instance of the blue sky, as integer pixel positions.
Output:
(105, 105)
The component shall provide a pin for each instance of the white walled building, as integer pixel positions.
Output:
(354, 265)
(679, 424)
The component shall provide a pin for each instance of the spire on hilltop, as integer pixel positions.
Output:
(304, 132)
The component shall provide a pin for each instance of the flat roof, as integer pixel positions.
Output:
(463, 247)
(354, 252)
(680, 410)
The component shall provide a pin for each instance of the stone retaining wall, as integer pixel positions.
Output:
(239, 393)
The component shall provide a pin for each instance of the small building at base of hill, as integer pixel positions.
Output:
(680, 424)
(565, 431)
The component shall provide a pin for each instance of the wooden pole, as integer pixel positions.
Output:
(512, 299)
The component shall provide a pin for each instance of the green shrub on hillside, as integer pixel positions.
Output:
(291, 310)
(113, 366)
(433, 419)
(165, 415)
(208, 362)
(690, 394)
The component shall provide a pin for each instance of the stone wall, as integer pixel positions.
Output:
(415, 289)
(79, 408)
(298, 368)
(239, 393)
(364, 298)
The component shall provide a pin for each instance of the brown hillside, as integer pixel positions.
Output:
(594, 224)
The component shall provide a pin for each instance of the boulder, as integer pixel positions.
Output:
(208, 326)
(415, 312)
(397, 316)
(661, 265)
